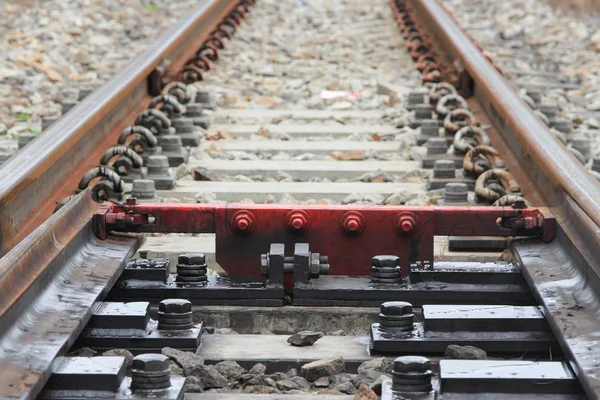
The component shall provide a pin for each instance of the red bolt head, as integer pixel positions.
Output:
(406, 223)
(352, 223)
(297, 223)
(243, 222)
(297, 220)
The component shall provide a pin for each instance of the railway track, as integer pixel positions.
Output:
(423, 222)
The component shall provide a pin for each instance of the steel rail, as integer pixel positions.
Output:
(569, 270)
(48, 168)
(557, 164)
(49, 285)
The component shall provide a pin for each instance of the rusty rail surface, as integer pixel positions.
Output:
(47, 169)
(570, 191)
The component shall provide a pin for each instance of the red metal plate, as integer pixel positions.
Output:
(349, 236)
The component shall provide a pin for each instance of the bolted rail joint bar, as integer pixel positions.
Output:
(349, 235)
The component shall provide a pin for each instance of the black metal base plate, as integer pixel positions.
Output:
(218, 290)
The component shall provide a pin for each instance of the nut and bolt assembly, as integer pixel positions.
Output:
(352, 223)
(318, 264)
(412, 374)
(183, 125)
(175, 315)
(430, 127)
(444, 169)
(191, 268)
(582, 144)
(436, 145)
(549, 110)
(150, 372)
(202, 96)
(385, 269)
(24, 139)
(143, 189)
(297, 220)
(157, 165)
(417, 96)
(456, 193)
(396, 315)
(170, 143)
(242, 222)
(423, 111)
(406, 224)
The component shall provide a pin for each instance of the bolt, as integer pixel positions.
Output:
(563, 125)
(191, 268)
(174, 306)
(406, 223)
(143, 188)
(423, 111)
(396, 308)
(436, 145)
(84, 92)
(456, 193)
(67, 105)
(549, 110)
(191, 259)
(193, 110)
(417, 96)
(150, 372)
(535, 96)
(183, 125)
(157, 165)
(396, 315)
(583, 144)
(543, 117)
(430, 127)
(385, 269)
(412, 374)
(596, 164)
(352, 223)
(25, 138)
(47, 121)
(170, 143)
(242, 222)
(175, 314)
(444, 169)
(202, 96)
(385, 261)
(297, 220)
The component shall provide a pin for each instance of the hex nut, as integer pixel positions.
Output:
(150, 362)
(175, 306)
(191, 259)
(396, 308)
(417, 364)
(385, 261)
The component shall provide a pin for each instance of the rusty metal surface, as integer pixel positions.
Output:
(49, 285)
(349, 235)
(47, 169)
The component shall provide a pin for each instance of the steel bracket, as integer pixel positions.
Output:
(349, 235)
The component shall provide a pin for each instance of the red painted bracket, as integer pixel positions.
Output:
(349, 235)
